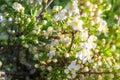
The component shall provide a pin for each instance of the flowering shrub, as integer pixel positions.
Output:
(59, 40)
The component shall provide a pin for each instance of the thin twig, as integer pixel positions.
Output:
(64, 32)
(72, 41)
(54, 37)
(44, 8)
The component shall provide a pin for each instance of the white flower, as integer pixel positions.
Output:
(99, 12)
(109, 7)
(100, 63)
(1, 17)
(36, 56)
(39, 1)
(66, 71)
(26, 45)
(86, 69)
(57, 8)
(80, 55)
(60, 16)
(117, 66)
(98, 19)
(84, 60)
(118, 21)
(67, 55)
(88, 3)
(72, 68)
(76, 24)
(84, 35)
(95, 66)
(49, 68)
(113, 47)
(55, 60)
(72, 8)
(17, 6)
(92, 38)
(54, 43)
(69, 76)
(103, 27)
(51, 54)
(84, 55)
(10, 19)
(36, 65)
(89, 46)
(50, 29)
(44, 22)
(74, 75)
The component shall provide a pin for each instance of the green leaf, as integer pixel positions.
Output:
(106, 51)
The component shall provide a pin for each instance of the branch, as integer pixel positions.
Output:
(28, 74)
(95, 72)
(14, 73)
(54, 37)
(17, 73)
(15, 55)
(64, 32)
(72, 41)
(44, 8)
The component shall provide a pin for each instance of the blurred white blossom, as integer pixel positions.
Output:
(60, 16)
(39, 1)
(84, 55)
(72, 68)
(1, 18)
(17, 6)
(84, 35)
(51, 54)
(103, 27)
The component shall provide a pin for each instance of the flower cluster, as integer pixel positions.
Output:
(41, 40)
